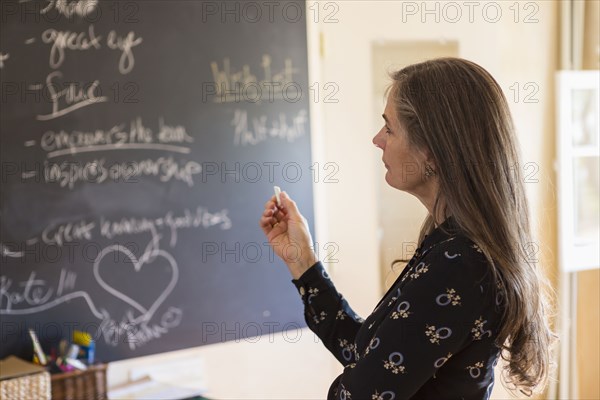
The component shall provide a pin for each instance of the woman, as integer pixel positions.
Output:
(470, 293)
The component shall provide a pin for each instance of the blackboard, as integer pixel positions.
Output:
(139, 143)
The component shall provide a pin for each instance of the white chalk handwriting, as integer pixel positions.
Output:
(138, 136)
(138, 324)
(70, 8)
(69, 173)
(231, 85)
(90, 229)
(70, 98)
(3, 57)
(261, 129)
(61, 41)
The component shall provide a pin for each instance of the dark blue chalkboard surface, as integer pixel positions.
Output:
(139, 141)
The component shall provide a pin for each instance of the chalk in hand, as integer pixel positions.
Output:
(277, 192)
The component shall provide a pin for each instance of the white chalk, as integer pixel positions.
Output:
(277, 193)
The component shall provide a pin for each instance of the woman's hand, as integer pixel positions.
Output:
(287, 232)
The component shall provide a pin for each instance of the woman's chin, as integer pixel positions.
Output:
(395, 183)
(389, 179)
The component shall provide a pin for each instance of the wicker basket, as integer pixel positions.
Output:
(28, 387)
(80, 385)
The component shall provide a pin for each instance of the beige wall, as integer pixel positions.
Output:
(347, 211)
(588, 297)
(591, 38)
(588, 336)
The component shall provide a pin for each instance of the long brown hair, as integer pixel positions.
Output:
(456, 109)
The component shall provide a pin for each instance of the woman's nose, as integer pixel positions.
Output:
(377, 140)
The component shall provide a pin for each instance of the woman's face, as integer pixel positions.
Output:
(405, 166)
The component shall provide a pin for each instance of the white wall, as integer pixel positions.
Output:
(347, 211)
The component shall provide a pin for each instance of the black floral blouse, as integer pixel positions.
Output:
(430, 337)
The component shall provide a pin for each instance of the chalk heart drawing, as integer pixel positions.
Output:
(149, 260)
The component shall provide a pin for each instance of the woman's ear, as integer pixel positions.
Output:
(427, 157)
(431, 162)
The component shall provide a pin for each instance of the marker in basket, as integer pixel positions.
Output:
(86, 346)
(277, 193)
(37, 348)
(76, 364)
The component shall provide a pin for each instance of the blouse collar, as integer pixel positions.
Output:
(442, 232)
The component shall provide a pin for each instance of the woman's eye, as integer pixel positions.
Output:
(387, 130)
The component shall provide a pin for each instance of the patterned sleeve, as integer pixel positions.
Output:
(436, 314)
(328, 314)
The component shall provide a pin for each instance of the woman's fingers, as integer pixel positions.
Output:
(289, 205)
(271, 217)
(273, 220)
(265, 223)
(271, 203)
(277, 229)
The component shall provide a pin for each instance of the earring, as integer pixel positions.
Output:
(429, 171)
